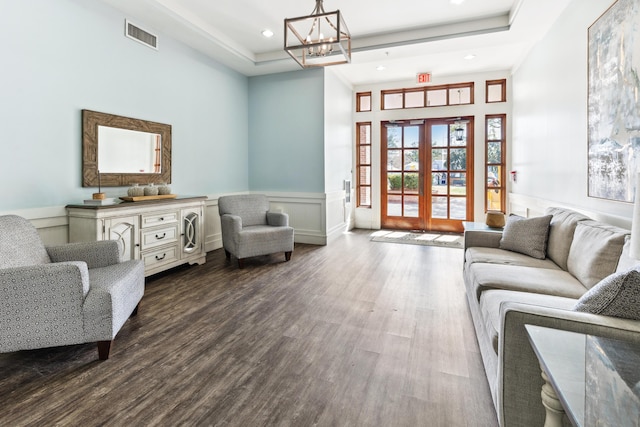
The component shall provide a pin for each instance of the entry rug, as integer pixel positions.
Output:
(417, 238)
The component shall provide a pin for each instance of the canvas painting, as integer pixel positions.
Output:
(614, 105)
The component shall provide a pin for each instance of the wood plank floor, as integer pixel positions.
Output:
(355, 333)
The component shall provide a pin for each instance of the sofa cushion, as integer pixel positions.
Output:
(626, 261)
(492, 299)
(563, 225)
(526, 235)
(616, 295)
(20, 243)
(501, 256)
(264, 239)
(523, 279)
(252, 208)
(595, 251)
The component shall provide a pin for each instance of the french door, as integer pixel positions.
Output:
(427, 174)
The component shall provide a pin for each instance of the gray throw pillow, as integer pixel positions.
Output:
(617, 295)
(526, 235)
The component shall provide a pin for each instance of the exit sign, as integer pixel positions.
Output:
(423, 78)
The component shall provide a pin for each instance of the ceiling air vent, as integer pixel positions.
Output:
(134, 32)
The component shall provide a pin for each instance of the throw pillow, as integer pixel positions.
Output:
(617, 295)
(526, 235)
(595, 251)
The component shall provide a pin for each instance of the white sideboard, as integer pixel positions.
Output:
(163, 233)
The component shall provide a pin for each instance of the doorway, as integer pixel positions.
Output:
(427, 174)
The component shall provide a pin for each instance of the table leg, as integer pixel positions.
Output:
(551, 403)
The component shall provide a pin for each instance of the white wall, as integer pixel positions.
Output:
(338, 149)
(370, 218)
(549, 140)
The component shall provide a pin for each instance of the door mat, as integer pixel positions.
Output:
(418, 238)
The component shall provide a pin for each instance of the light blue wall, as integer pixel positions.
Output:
(62, 56)
(286, 132)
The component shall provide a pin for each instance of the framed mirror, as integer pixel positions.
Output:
(124, 150)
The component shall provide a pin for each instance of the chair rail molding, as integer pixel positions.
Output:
(316, 217)
(532, 206)
(51, 222)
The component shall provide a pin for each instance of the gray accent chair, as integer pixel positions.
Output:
(249, 229)
(61, 295)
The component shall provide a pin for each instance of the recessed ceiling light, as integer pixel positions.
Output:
(469, 56)
(380, 67)
(267, 33)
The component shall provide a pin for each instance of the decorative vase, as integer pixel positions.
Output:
(164, 189)
(151, 190)
(495, 219)
(135, 190)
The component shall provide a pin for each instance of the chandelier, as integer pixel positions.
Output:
(319, 39)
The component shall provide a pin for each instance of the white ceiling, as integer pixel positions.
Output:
(404, 36)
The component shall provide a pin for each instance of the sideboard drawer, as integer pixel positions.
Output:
(159, 236)
(155, 219)
(160, 256)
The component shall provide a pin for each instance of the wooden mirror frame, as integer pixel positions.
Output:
(90, 122)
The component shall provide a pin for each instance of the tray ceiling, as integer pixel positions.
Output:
(404, 36)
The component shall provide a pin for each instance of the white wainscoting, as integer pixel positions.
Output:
(530, 206)
(316, 217)
(52, 223)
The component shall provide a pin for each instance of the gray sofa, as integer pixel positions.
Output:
(508, 289)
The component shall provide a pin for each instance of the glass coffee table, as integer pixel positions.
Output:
(594, 380)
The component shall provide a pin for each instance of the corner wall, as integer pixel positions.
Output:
(338, 151)
(300, 148)
(64, 56)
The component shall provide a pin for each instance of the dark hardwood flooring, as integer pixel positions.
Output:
(355, 333)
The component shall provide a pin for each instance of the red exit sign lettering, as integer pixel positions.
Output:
(423, 78)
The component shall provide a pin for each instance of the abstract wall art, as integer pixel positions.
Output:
(613, 102)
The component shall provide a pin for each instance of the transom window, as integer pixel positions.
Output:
(363, 101)
(430, 96)
(496, 91)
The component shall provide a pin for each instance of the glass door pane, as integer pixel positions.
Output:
(402, 175)
(449, 192)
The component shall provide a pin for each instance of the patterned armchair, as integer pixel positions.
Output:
(249, 229)
(62, 295)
